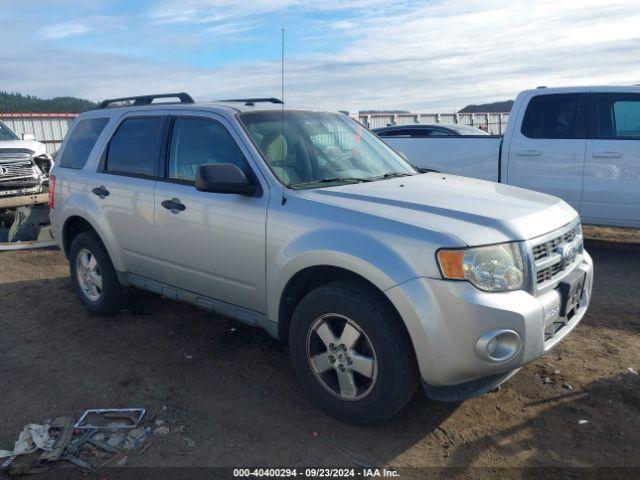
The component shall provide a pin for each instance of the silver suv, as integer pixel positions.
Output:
(307, 225)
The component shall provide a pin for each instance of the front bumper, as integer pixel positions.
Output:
(445, 320)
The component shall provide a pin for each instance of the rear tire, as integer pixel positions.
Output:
(93, 277)
(351, 353)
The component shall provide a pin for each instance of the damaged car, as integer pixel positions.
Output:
(24, 164)
(24, 191)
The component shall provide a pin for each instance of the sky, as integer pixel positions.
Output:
(433, 55)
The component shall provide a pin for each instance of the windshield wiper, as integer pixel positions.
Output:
(352, 179)
(395, 174)
(330, 180)
(389, 175)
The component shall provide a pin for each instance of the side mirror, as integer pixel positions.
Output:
(223, 178)
(28, 136)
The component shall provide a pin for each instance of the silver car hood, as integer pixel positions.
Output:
(477, 212)
(36, 147)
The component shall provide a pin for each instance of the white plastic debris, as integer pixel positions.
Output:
(632, 370)
(33, 437)
(161, 431)
(583, 422)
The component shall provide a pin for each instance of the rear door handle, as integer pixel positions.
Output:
(607, 155)
(100, 191)
(529, 153)
(175, 205)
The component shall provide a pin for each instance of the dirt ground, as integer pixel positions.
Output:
(231, 388)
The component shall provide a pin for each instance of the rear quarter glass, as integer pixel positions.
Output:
(81, 141)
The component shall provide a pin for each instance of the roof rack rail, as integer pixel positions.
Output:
(145, 99)
(253, 101)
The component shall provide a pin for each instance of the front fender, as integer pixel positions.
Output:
(355, 251)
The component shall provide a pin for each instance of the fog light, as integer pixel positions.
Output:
(498, 345)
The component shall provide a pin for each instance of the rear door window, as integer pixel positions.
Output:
(135, 147)
(555, 116)
(618, 115)
(81, 141)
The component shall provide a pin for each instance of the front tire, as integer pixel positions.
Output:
(351, 353)
(93, 277)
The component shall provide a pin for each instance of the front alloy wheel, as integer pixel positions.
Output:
(345, 364)
(351, 352)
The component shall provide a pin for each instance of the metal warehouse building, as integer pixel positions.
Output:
(49, 128)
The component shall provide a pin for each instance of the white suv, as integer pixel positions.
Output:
(307, 225)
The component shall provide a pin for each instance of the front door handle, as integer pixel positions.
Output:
(529, 153)
(175, 205)
(607, 155)
(100, 191)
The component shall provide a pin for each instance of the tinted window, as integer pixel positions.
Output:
(81, 141)
(618, 115)
(438, 133)
(198, 141)
(555, 116)
(134, 147)
(412, 133)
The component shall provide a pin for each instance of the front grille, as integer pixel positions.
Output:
(17, 167)
(547, 248)
(547, 252)
(15, 170)
(548, 273)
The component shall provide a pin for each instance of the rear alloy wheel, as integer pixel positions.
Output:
(88, 273)
(351, 352)
(93, 277)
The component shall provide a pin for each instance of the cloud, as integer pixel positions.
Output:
(436, 55)
(205, 11)
(65, 29)
(82, 26)
(229, 28)
(208, 11)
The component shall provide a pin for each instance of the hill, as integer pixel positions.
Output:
(15, 102)
(495, 107)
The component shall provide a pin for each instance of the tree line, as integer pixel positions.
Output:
(12, 102)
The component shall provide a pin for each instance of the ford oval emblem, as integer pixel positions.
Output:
(568, 253)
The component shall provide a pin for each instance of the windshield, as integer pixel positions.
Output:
(316, 149)
(6, 133)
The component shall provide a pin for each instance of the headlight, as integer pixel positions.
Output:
(494, 268)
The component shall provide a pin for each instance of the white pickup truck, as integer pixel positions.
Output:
(581, 144)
